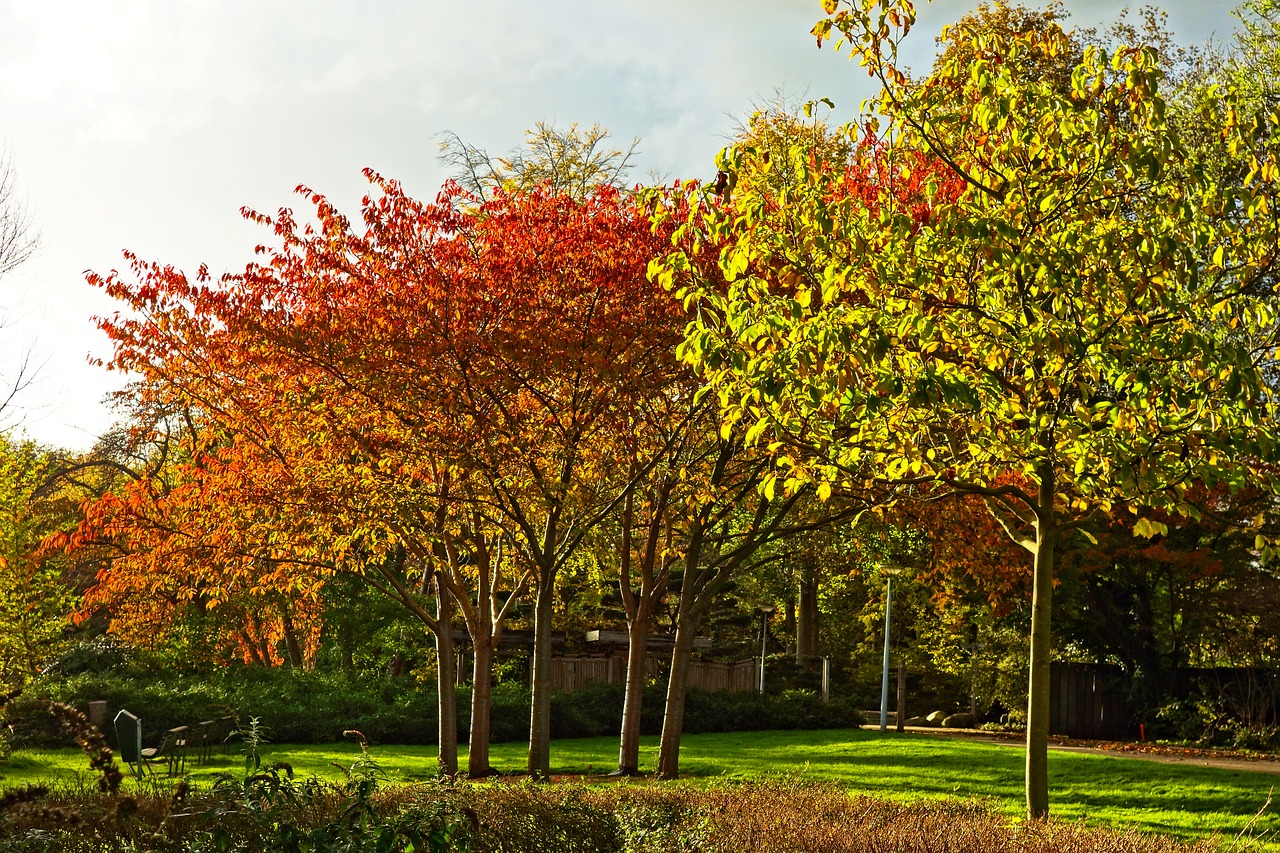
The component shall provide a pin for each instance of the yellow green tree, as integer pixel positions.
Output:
(34, 595)
(1021, 291)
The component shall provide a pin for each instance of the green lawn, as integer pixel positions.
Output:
(1175, 799)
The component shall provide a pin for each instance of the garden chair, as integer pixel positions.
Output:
(170, 749)
(129, 740)
(202, 740)
(226, 725)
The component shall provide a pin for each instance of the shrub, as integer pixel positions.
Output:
(316, 707)
(270, 811)
(297, 706)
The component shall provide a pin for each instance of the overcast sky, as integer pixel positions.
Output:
(148, 124)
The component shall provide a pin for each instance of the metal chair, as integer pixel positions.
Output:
(129, 740)
(202, 740)
(172, 750)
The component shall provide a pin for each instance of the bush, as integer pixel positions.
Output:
(269, 812)
(1210, 722)
(296, 706)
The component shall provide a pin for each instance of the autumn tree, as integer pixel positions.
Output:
(177, 547)
(1069, 318)
(642, 536)
(408, 394)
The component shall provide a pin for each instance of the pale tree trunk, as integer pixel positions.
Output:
(698, 589)
(1041, 646)
(687, 622)
(484, 616)
(389, 577)
(639, 607)
(478, 765)
(632, 702)
(540, 688)
(807, 613)
(677, 690)
(447, 672)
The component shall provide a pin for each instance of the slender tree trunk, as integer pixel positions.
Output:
(677, 688)
(791, 627)
(481, 708)
(251, 647)
(633, 700)
(347, 648)
(540, 688)
(291, 644)
(1041, 647)
(807, 614)
(447, 683)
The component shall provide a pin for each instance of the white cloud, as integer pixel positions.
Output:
(148, 124)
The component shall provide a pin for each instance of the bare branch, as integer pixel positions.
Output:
(18, 238)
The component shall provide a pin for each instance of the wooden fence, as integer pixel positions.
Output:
(1093, 700)
(1089, 701)
(577, 672)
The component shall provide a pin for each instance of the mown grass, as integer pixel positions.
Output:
(1183, 799)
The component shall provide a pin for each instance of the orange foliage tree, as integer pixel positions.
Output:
(400, 394)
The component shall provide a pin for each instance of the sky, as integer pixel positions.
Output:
(147, 125)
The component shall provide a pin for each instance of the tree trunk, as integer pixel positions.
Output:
(540, 688)
(251, 648)
(291, 644)
(1041, 647)
(632, 703)
(807, 614)
(791, 628)
(347, 648)
(677, 688)
(447, 683)
(481, 708)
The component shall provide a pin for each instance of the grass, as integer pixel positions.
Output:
(1184, 800)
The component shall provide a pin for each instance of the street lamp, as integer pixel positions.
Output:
(889, 572)
(765, 610)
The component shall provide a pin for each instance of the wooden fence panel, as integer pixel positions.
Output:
(1089, 701)
(576, 673)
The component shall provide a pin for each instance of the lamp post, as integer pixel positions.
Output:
(888, 572)
(765, 610)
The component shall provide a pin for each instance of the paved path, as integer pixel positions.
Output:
(1199, 758)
